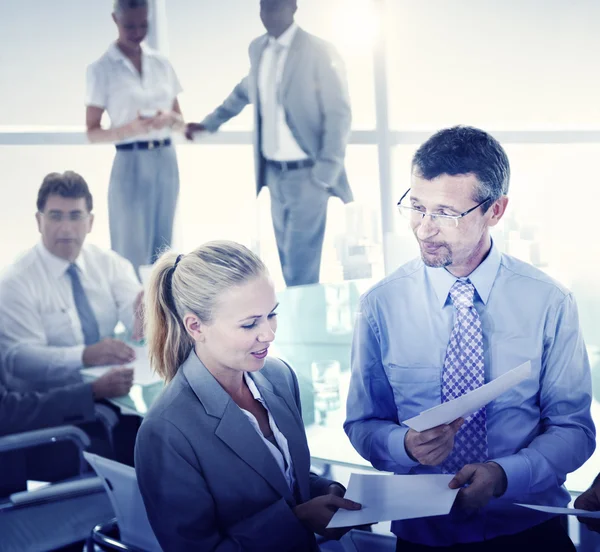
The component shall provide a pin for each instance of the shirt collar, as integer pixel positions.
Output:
(115, 53)
(286, 37)
(253, 389)
(55, 265)
(482, 277)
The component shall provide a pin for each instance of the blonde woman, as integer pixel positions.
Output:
(221, 458)
(137, 87)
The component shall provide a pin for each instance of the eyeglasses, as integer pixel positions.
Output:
(74, 216)
(417, 215)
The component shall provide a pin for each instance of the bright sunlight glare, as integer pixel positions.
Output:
(356, 24)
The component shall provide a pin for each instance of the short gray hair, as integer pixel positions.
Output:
(121, 5)
(466, 150)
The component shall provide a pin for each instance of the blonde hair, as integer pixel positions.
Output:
(190, 283)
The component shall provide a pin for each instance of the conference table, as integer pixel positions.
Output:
(315, 326)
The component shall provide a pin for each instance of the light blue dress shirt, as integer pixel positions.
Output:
(538, 431)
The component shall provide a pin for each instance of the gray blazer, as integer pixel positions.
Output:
(314, 95)
(208, 481)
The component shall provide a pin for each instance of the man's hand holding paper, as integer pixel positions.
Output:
(469, 403)
(478, 484)
(432, 446)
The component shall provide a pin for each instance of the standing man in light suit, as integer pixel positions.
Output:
(298, 88)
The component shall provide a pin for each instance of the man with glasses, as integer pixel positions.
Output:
(444, 324)
(61, 301)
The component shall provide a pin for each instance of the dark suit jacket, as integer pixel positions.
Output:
(26, 411)
(314, 95)
(19, 412)
(208, 481)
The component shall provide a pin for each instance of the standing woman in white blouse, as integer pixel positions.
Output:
(138, 89)
(221, 457)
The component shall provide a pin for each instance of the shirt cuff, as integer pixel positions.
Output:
(397, 450)
(343, 489)
(518, 475)
(73, 356)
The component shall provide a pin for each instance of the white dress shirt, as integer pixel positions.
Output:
(114, 84)
(288, 148)
(40, 332)
(281, 452)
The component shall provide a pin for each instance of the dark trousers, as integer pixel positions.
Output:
(550, 535)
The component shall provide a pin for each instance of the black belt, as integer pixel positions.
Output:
(152, 144)
(291, 165)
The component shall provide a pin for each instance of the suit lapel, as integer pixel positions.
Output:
(255, 59)
(234, 428)
(293, 61)
(288, 425)
(238, 434)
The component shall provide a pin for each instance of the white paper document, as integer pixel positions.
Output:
(470, 402)
(142, 373)
(564, 511)
(390, 497)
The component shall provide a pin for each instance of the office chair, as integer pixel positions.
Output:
(130, 530)
(57, 515)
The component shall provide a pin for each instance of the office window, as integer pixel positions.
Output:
(351, 27)
(46, 48)
(208, 46)
(217, 198)
(515, 63)
(23, 169)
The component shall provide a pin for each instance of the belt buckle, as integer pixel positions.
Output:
(150, 144)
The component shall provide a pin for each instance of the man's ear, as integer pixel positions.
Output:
(497, 210)
(38, 218)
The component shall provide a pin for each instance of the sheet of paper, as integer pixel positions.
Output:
(564, 511)
(142, 373)
(470, 402)
(390, 497)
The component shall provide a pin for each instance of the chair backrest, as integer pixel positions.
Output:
(122, 488)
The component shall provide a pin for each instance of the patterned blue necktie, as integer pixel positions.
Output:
(89, 324)
(464, 372)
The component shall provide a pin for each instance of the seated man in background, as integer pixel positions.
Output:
(61, 301)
